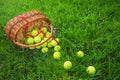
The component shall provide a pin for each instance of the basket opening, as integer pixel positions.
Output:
(34, 25)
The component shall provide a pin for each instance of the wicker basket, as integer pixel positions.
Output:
(17, 28)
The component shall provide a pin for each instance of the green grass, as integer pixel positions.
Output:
(89, 25)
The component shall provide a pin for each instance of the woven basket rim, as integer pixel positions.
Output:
(32, 45)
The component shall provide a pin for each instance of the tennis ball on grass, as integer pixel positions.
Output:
(54, 43)
(91, 70)
(49, 45)
(57, 55)
(44, 29)
(67, 65)
(34, 32)
(37, 39)
(38, 47)
(44, 50)
(57, 39)
(57, 48)
(80, 54)
(30, 40)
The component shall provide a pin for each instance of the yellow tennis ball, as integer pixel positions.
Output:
(48, 40)
(58, 40)
(38, 47)
(44, 44)
(41, 35)
(44, 29)
(44, 50)
(48, 34)
(30, 40)
(34, 32)
(67, 65)
(37, 39)
(57, 55)
(49, 45)
(54, 43)
(80, 54)
(45, 38)
(91, 70)
(57, 48)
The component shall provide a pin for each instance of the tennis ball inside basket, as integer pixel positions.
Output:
(37, 39)
(30, 40)
(67, 65)
(34, 32)
(80, 54)
(91, 70)
(41, 35)
(48, 39)
(44, 50)
(44, 44)
(48, 34)
(44, 29)
(57, 55)
(57, 48)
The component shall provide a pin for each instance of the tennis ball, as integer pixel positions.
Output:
(58, 40)
(34, 32)
(57, 48)
(38, 47)
(45, 38)
(49, 40)
(44, 50)
(44, 29)
(37, 39)
(54, 43)
(44, 44)
(49, 45)
(67, 65)
(41, 35)
(57, 55)
(91, 70)
(80, 54)
(48, 34)
(30, 40)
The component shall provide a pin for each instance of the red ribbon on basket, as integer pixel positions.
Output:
(26, 28)
(24, 17)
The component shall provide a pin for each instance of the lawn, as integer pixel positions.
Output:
(92, 26)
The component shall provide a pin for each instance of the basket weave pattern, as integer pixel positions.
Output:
(15, 28)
